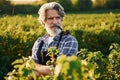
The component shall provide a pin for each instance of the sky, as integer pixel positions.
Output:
(23, 0)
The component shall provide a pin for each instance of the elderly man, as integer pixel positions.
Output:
(51, 17)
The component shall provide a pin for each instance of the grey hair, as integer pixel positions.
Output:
(47, 6)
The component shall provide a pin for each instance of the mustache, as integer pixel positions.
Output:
(58, 25)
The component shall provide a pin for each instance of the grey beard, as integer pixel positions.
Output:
(54, 32)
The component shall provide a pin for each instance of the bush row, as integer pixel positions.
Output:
(86, 65)
(95, 32)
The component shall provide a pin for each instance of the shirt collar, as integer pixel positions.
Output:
(45, 37)
(56, 38)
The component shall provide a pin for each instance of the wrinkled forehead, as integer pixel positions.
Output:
(52, 13)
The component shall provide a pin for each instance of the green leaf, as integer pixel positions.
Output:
(26, 71)
(118, 69)
(18, 61)
(17, 66)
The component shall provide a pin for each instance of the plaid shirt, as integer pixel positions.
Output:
(68, 45)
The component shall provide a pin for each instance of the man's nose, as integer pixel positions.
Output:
(55, 21)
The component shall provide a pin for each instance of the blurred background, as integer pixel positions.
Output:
(32, 6)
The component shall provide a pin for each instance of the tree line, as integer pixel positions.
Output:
(6, 7)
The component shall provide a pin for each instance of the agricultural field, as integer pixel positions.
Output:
(94, 32)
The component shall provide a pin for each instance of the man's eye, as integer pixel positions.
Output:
(50, 18)
(57, 17)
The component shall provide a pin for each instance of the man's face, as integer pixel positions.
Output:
(52, 21)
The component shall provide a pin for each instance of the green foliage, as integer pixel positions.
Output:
(114, 57)
(66, 4)
(68, 68)
(112, 4)
(86, 66)
(85, 5)
(5, 7)
(26, 9)
(52, 53)
(4, 61)
(95, 32)
(23, 69)
(17, 36)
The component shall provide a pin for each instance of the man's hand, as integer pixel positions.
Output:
(42, 70)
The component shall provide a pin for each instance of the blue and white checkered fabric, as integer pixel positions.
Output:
(68, 45)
